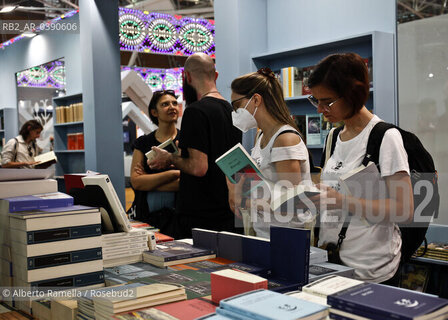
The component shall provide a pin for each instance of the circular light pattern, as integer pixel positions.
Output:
(195, 37)
(162, 34)
(170, 81)
(132, 30)
(58, 75)
(37, 75)
(154, 81)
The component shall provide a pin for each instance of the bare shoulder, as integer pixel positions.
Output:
(287, 139)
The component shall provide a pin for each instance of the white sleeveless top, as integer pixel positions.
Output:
(266, 158)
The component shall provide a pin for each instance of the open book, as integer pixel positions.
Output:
(46, 158)
(236, 162)
(169, 145)
(364, 182)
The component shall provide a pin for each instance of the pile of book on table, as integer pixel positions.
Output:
(124, 247)
(105, 303)
(51, 243)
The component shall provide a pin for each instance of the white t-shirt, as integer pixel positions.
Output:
(266, 158)
(373, 250)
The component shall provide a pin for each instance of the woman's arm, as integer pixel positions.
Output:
(288, 170)
(399, 207)
(163, 181)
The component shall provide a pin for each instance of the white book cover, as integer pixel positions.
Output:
(330, 285)
(27, 187)
(46, 157)
(169, 145)
(104, 182)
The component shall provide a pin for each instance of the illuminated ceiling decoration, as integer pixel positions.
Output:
(160, 79)
(49, 75)
(162, 33)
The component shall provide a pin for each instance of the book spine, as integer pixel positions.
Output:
(369, 311)
(42, 236)
(189, 255)
(38, 204)
(80, 280)
(58, 259)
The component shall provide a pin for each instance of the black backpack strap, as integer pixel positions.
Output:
(343, 231)
(334, 137)
(374, 143)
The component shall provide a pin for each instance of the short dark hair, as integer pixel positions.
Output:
(29, 126)
(347, 75)
(154, 100)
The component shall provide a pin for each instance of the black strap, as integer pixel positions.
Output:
(15, 150)
(374, 143)
(343, 231)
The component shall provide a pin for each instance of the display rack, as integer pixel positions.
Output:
(378, 46)
(69, 161)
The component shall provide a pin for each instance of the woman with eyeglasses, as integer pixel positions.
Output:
(257, 101)
(372, 242)
(20, 151)
(155, 190)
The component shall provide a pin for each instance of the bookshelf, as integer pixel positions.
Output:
(377, 46)
(71, 157)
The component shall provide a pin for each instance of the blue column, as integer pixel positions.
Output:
(101, 87)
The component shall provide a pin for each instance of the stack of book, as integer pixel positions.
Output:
(54, 247)
(176, 252)
(124, 247)
(105, 303)
(131, 272)
(376, 301)
(269, 305)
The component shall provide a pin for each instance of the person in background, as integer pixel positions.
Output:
(155, 190)
(280, 152)
(206, 133)
(19, 152)
(340, 89)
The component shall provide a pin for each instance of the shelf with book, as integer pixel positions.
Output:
(376, 47)
(69, 137)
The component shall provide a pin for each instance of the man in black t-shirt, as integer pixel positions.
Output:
(206, 133)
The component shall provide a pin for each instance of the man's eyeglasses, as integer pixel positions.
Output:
(315, 102)
(235, 101)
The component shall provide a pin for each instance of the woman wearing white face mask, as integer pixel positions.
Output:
(257, 101)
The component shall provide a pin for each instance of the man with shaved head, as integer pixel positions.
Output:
(206, 133)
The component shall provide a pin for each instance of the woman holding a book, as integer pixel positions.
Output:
(279, 151)
(19, 152)
(155, 190)
(369, 207)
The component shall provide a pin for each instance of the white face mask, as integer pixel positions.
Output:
(243, 119)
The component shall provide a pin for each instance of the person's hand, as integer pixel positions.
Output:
(329, 198)
(162, 159)
(138, 169)
(30, 163)
(235, 195)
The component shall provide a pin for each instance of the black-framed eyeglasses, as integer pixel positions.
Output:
(235, 101)
(315, 102)
(163, 92)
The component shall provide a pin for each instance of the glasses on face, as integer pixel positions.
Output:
(326, 105)
(235, 101)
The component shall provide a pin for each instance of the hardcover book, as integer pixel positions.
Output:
(381, 301)
(36, 202)
(46, 158)
(168, 145)
(330, 285)
(267, 305)
(237, 162)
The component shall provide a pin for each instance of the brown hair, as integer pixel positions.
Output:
(29, 126)
(347, 75)
(266, 85)
(154, 100)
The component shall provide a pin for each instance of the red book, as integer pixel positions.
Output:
(228, 283)
(188, 309)
(160, 237)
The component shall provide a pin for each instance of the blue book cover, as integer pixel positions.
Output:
(269, 305)
(230, 246)
(386, 301)
(256, 251)
(207, 239)
(80, 280)
(213, 316)
(231, 314)
(59, 234)
(290, 254)
(57, 259)
(39, 201)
